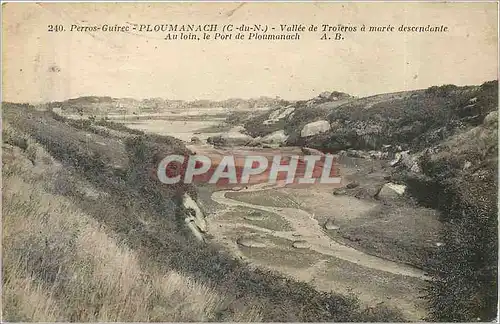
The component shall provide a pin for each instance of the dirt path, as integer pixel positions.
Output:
(309, 230)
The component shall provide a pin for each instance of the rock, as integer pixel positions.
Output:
(314, 128)
(230, 138)
(254, 216)
(194, 229)
(270, 121)
(330, 225)
(195, 140)
(216, 140)
(368, 192)
(236, 138)
(396, 160)
(407, 161)
(376, 155)
(339, 192)
(301, 245)
(311, 151)
(390, 191)
(410, 162)
(279, 114)
(255, 142)
(325, 95)
(277, 137)
(250, 243)
(195, 214)
(491, 119)
(283, 113)
(352, 185)
(357, 154)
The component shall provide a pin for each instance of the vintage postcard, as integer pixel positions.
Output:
(249, 161)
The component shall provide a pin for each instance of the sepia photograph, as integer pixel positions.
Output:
(249, 161)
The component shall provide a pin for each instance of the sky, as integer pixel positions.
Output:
(41, 66)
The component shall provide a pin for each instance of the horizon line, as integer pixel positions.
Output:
(242, 98)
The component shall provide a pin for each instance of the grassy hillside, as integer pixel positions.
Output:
(415, 119)
(103, 196)
(454, 131)
(60, 264)
(411, 119)
(461, 180)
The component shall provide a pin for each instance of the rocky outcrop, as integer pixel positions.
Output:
(315, 128)
(195, 219)
(390, 191)
(407, 161)
(491, 119)
(279, 114)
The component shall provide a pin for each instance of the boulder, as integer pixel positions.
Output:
(375, 155)
(407, 161)
(410, 162)
(194, 229)
(330, 225)
(390, 191)
(235, 138)
(279, 114)
(216, 140)
(311, 151)
(255, 142)
(339, 192)
(491, 119)
(325, 95)
(357, 154)
(277, 137)
(368, 191)
(195, 215)
(314, 128)
(285, 113)
(352, 185)
(195, 140)
(250, 243)
(255, 216)
(301, 245)
(396, 160)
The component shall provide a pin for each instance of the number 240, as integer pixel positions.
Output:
(55, 28)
